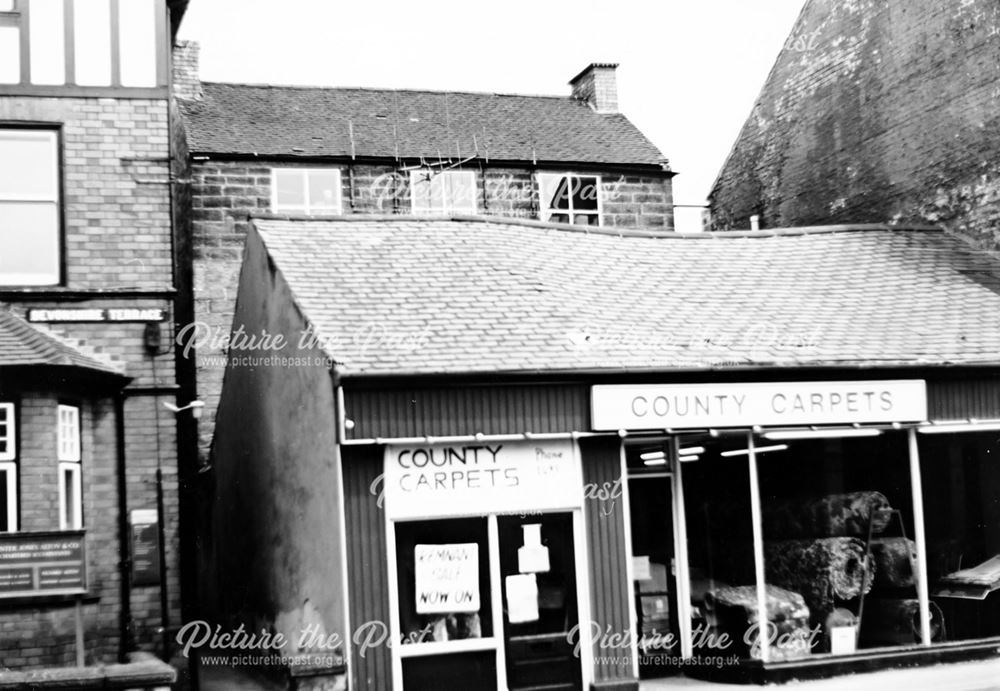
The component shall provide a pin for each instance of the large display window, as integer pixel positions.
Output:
(961, 481)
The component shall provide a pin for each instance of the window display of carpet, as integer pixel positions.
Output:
(895, 562)
(834, 515)
(734, 608)
(823, 570)
(897, 622)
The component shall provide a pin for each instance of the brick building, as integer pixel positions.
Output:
(339, 151)
(875, 111)
(88, 304)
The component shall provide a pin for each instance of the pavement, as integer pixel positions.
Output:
(965, 676)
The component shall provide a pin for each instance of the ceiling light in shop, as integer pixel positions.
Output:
(823, 433)
(691, 451)
(686, 459)
(652, 455)
(947, 428)
(656, 461)
(758, 449)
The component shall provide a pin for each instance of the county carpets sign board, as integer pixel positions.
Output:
(477, 478)
(447, 578)
(42, 564)
(680, 406)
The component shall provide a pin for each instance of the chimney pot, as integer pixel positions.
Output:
(598, 86)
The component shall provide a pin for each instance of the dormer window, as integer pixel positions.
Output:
(310, 191)
(569, 198)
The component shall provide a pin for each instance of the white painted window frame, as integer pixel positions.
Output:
(307, 207)
(68, 435)
(51, 136)
(74, 513)
(7, 411)
(68, 454)
(9, 468)
(545, 212)
(448, 204)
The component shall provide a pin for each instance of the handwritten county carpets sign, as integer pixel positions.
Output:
(447, 578)
(680, 406)
(433, 480)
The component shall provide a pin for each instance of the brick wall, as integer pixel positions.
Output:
(875, 111)
(225, 193)
(117, 230)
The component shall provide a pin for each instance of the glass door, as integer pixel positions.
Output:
(538, 581)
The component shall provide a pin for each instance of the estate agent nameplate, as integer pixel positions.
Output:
(43, 564)
(476, 478)
(680, 406)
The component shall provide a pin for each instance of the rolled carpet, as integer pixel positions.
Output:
(895, 562)
(896, 621)
(833, 515)
(823, 570)
(734, 609)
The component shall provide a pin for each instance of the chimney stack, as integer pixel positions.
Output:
(186, 80)
(597, 86)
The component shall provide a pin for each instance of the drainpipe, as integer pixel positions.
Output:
(127, 623)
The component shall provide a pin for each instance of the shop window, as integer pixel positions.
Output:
(311, 191)
(961, 484)
(443, 192)
(29, 207)
(574, 199)
(70, 484)
(838, 529)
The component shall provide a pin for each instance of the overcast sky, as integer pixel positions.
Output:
(689, 74)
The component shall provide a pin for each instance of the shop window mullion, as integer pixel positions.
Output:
(919, 537)
(681, 555)
(758, 552)
(496, 596)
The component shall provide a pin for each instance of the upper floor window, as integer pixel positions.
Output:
(8, 469)
(570, 198)
(68, 455)
(29, 207)
(98, 43)
(306, 191)
(443, 192)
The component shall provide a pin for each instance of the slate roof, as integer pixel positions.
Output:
(314, 121)
(23, 344)
(463, 295)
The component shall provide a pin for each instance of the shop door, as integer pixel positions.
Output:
(538, 578)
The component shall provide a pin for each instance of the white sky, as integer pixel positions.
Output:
(690, 71)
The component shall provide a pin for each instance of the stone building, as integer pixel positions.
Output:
(875, 111)
(341, 151)
(89, 477)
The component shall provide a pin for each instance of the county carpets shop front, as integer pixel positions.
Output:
(541, 490)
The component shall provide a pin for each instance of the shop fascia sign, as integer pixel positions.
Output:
(468, 479)
(693, 406)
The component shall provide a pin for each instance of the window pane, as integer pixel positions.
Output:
(961, 486)
(28, 166)
(10, 55)
(290, 190)
(92, 36)
(555, 192)
(420, 183)
(48, 42)
(6, 5)
(461, 191)
(29, 244)
(137, 42)
(819, 500)
(69, 505)
(5, 480)
(585, 193)
(324, 190)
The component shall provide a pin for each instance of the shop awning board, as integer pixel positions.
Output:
(403, 295)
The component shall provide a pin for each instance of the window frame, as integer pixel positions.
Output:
(9, 468)
(69, 458)
(55, 131)
(9, 412)
(306, 208)
(447, 205)
(546, 212)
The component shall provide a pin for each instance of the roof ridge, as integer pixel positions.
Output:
(603, 230)
(321, 87)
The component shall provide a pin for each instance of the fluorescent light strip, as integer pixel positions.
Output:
(652, 455)
(823, 433)
(946, 428)
(687, 459)
(660, 461)
(759, 449)
(691, 451)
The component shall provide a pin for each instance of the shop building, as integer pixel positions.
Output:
(89, 491)
(325, 151)
(503, 454)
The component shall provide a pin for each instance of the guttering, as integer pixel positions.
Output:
(481, 438)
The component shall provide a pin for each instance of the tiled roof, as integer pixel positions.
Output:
(24, 344)
(312, 121)
(465, 295)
